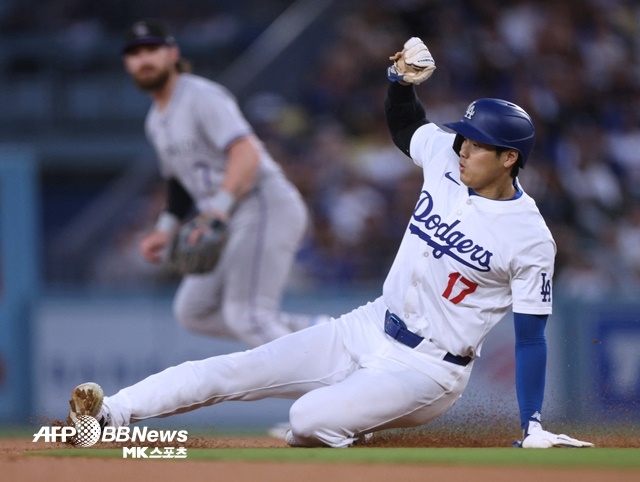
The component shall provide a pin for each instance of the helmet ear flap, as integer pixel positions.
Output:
(457, 143)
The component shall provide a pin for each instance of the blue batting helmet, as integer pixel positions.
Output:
(498, 123)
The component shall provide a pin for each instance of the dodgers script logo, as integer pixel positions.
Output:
(445, 239)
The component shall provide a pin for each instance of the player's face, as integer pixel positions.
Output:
(151, 66)
(483, 169)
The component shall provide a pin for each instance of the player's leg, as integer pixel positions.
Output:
(369, 400)
(285, 368)
(234, 300)
(267, 230)
(394, 386)
(197, 305)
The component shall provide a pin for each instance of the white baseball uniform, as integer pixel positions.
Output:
(463, 262)
(240, 298)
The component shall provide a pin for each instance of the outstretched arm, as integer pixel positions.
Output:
(531, 364)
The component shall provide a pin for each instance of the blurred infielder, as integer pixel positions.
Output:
(238, 254)
(475, 246)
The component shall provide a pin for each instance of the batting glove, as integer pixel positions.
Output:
(537, 438)
(417, 54)
(413, 65)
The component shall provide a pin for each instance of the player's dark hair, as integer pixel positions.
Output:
(183, 66)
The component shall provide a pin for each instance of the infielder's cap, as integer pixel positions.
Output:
(148, 32)
(498, 123)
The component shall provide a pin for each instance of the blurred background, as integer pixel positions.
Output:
(79, 184)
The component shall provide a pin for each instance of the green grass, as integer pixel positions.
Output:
(592, 457)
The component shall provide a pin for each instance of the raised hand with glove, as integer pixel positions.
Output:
(535, 437)
(413, 65)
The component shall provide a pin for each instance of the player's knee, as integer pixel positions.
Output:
(181, 312)
(187, 316)
(304, 427)
(314, 427)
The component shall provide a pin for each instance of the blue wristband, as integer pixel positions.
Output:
(393, 75)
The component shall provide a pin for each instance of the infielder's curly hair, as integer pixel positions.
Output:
(183, 66)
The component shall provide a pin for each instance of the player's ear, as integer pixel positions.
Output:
(511, 158)
(174, 53)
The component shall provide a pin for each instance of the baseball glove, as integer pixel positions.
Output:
(413, 65)
(197, 246)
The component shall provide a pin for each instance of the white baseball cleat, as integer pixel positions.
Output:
(86, 399)
(291, 440)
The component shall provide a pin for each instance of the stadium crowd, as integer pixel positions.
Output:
(573, 65)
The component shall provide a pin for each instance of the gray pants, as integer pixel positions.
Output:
(241, 298)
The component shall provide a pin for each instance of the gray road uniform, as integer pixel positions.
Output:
(240, 298)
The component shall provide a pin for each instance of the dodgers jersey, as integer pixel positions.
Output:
(191, 134)
(465, 260)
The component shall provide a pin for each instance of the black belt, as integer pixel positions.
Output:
(397, 329)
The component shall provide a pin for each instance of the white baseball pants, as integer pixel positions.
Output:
(348, 376)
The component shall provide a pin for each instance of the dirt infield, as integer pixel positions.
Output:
(16, 464)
